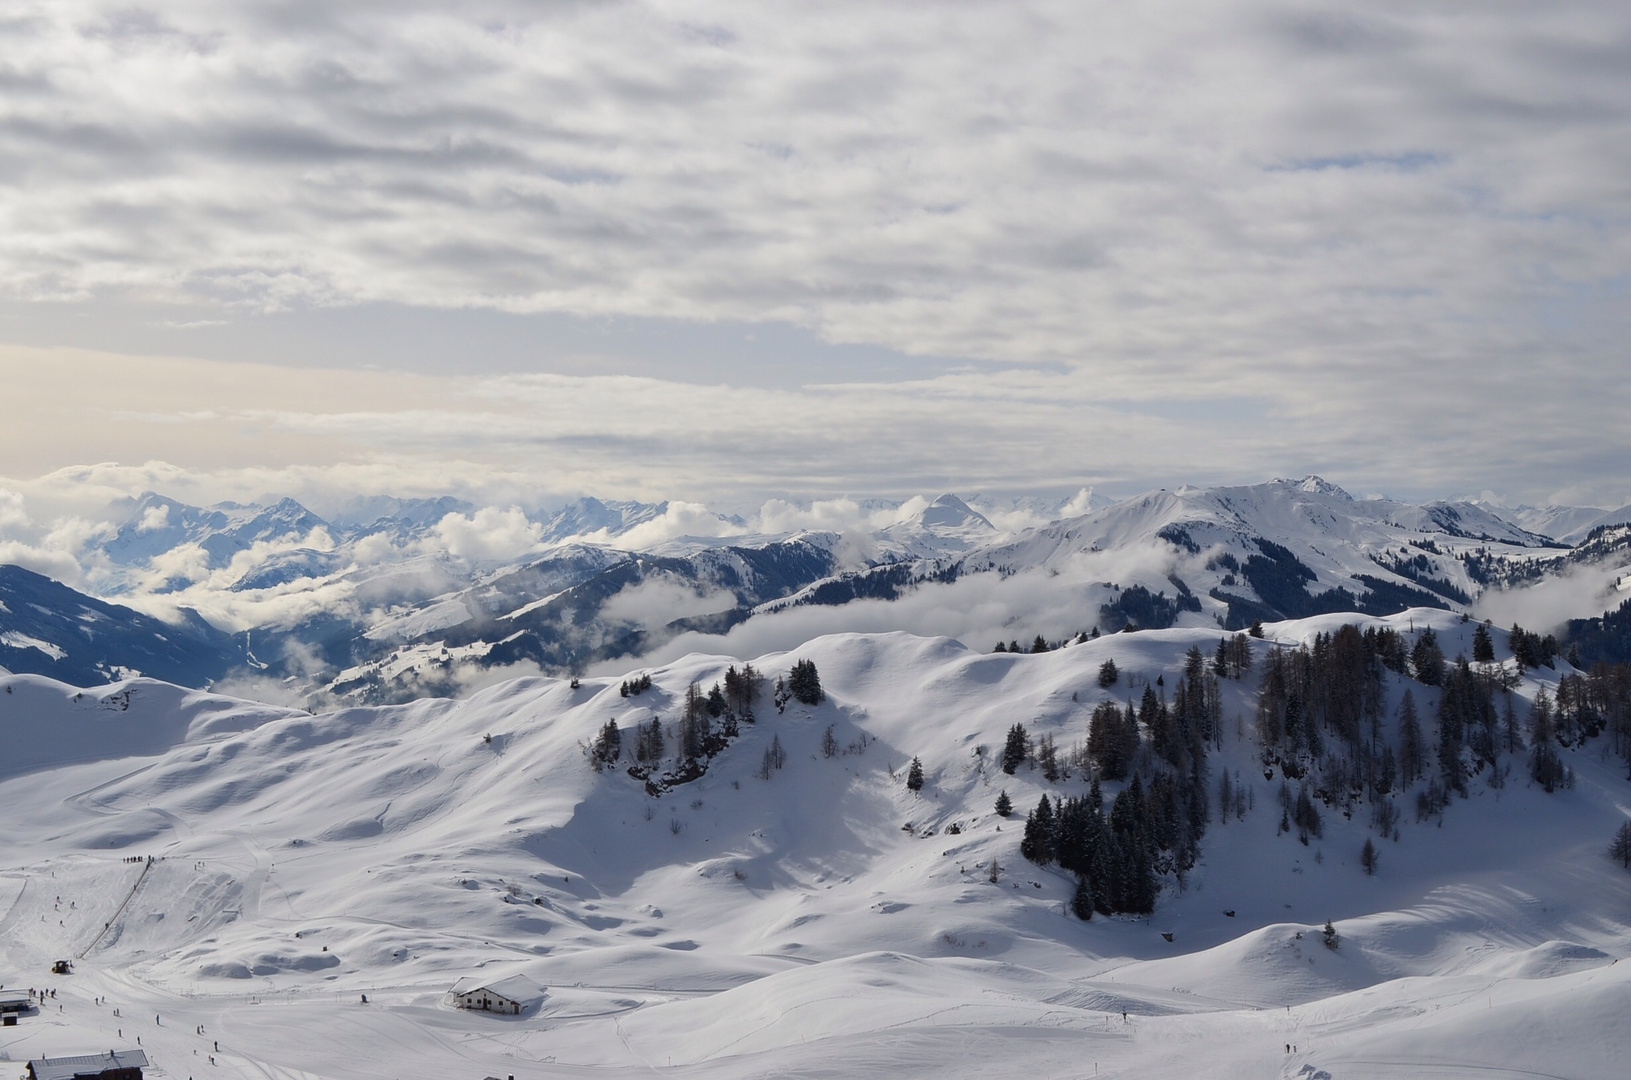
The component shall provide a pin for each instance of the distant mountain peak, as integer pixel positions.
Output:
(950, 512)
(1317, 485)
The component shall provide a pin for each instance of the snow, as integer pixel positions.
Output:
(739, 927)
(19, 640)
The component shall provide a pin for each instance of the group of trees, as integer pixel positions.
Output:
(803, 684)
(1117, 857)
(708, 721)
(1323, 721)
(1156, 822)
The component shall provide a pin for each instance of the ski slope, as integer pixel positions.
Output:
(822, 922)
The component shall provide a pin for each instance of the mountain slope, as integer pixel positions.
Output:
(49, 629)
(813, 919)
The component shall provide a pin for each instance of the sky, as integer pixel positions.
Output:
(724, 252)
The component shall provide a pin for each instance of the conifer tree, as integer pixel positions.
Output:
(1081, 901)
(1368, 857)
(1427, 659)
(1005, 805)
(607, 745)
(1016, 749)
(1620, 848)
(914, 776)
(1108, 674)
(1410, 742)
(1483, 649)
(1037, 843)
(804, 683)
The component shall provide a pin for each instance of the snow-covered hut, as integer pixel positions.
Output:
(509, 995)
(112, 1065)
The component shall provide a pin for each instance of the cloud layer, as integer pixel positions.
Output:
(1356, 231)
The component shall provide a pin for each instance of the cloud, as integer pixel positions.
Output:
(13, 514)
(154, 518)
(490, 535)
(977, 609)
(1394, 227)
(56, 564)
(657, 602)
(679, 520)
(1546, 606)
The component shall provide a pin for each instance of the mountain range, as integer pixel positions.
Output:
(393, 599)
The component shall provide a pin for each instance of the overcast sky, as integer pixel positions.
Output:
(721, 251)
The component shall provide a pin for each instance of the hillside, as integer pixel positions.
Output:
(49, 629)
(732, 925)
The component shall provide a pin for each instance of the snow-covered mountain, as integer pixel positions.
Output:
(1565, 524)
(290, 895)
(49, 629)
(391, 599)
(1227, 557)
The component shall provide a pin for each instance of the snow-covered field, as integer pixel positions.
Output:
(822, 922)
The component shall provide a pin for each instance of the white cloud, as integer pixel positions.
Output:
(1384, 242)
(1587, 592)
(13, 514)
(154, 518)
(488, 535)
(977, 609)
(657, 602)
(53, 563)
(680, 519)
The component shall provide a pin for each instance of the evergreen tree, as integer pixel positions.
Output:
(1112, 740)
(607, 745)
(1040, 645)
(1081, 901)
(1620, 849)
(1108, 674)
(1037, 844)
(1523, 647)
(1332, 941)
(914, 776)
(1368, 857)
(1016, 749)
(1427, 659)
(804, 683)
(1510, 732)
(1483, 649)
(1005, 805)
